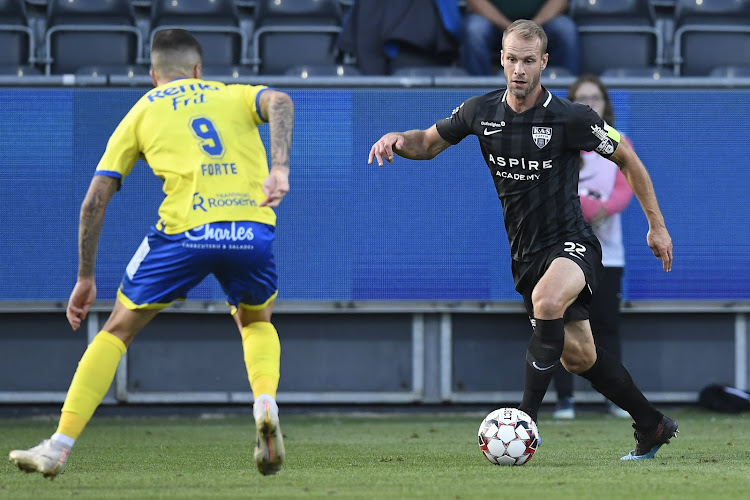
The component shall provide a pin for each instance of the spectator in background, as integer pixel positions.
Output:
(383, 35)
(486, 20)
(604, 194)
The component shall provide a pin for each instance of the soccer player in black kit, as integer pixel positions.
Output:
(531, 141)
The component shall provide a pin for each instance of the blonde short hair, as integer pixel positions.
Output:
(528, 30)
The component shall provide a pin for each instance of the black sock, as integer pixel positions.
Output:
(610, 378)
(563, 381)
(542, 359)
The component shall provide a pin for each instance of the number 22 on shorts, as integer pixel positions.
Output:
(575, 249)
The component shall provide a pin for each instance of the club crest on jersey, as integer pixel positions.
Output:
(541, 135)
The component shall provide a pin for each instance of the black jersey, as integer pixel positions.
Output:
(534, 159)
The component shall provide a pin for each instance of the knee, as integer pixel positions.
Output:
(563, 30)
(478, 33)
(547, 306)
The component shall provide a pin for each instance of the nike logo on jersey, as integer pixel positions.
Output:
(490, 132)
(541, 368)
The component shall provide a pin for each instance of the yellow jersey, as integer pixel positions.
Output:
(201, 139)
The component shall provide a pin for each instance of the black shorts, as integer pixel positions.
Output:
(587, 253)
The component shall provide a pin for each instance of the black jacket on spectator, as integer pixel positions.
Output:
(386, 34)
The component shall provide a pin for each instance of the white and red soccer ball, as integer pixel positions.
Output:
(508, 436)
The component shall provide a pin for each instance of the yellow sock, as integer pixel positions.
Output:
(262, 357)
(92, 379)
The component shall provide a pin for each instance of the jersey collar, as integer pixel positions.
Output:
(546, 102)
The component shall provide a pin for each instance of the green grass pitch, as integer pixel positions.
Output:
(382, 457)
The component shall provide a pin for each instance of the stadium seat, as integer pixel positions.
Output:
(16, 37)
(90, 32)
(294, 32)
(652, 72)
(430, 71)
(617, 34)
(551, 72)
(129, 70)
(710, 34)
(215, 24)
(307, 70)
(410, 59)
(19, 70)
(224, 72)
(730, 72)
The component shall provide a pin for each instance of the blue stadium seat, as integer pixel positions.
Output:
(16, 37)
(617, 34)
(90, 32)
(709, 34)
(215, 24)
(294, 32)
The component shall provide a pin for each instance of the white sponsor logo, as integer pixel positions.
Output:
(516, 177)
(208, 232)
(490, 132)
(525, 164)
(541, 368)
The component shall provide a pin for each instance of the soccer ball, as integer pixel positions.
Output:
(508, 436)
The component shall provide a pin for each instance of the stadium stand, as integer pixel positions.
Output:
(215, 24)
(91, 32)
(628, 39)
(16, 37)
(617, 33)
(293, 33)
(710, 34)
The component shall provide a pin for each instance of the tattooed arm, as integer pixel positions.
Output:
(93, 207)
(279, 109)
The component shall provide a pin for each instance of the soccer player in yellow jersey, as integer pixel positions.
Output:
(201, 138)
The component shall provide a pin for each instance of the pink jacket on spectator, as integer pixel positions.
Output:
(601, 184)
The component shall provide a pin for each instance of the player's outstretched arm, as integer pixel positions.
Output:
(413, 144)
(279, 109)
(635, 172)
(93, 207)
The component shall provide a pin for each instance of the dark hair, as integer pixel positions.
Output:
(177, 40)
(528, 30)
(609, 111)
